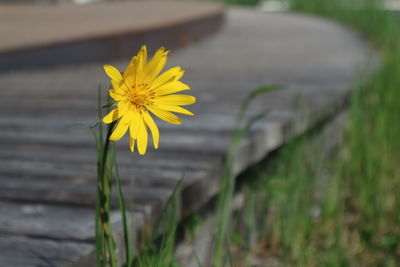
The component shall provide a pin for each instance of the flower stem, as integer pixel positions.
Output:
(121, 201)
(104, 237)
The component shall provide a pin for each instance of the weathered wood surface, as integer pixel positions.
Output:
(47, 170)
(25, 251)
(47, 35)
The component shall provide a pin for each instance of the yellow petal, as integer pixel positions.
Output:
(123, 106)
(171, 87)
(153, 128)
(130, 69)
(135, 123)
(142, 58)
(115, 84)
(177, 109)
(132, 144)
(121, 128)
(170, 75)
(112, 116)
(142, 137)
(117, 96)
(175, 100)
(113, 73)
(130, 73)
(166, 115)
(156, 64)
(119, 87)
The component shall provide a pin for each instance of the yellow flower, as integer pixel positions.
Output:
(141, 89)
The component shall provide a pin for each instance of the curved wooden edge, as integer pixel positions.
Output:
(113, 46)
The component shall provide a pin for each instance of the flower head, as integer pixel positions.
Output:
(141, 89)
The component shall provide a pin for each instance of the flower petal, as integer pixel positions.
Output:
(177, 109)
(135, 70)
(113, 73)
(153, 128)
(112, 116)
(135, 124)
(174, 100)
(173, 74)
(116, 95)
(156, 64)
(123, 106)
(142, 137)
(121, 128)
(166, 115)
(171, 87)
(142, 58)
(130, 69)
(131, 144)
(119, 87)
(130, 73)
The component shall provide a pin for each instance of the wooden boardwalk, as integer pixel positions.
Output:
(45, 35)
(47, 171)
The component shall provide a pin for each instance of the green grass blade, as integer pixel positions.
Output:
(121, 201)
(165, 209)
(228, 179)
(250, 97)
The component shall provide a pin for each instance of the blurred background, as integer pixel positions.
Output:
(313, 182)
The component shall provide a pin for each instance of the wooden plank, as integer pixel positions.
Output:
(75, 23)
(68, 123)
(265, 141)
(149, 191)
(44, 221)
(21, 251)
(81, 193)
(78, 155)
(47, 221)
(210, 143)
(67, 42)
(222, 120)
(148, 201)
(262, 142)
(145, 174)
(208, 113)
(35, 181)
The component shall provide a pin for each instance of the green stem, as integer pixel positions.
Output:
(224, 202)
(98, 230)
(99, 234)
(104, 198)
(121, 201)
(228, 178)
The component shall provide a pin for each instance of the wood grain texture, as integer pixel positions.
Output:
(88, 33)
(20, 251)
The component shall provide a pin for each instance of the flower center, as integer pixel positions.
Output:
(140, 95)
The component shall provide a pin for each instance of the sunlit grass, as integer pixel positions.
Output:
(354, 219)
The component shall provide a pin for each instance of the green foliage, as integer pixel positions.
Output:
(352, 219)
(105, 242)
(242, 2)
(223, 209)
(159, 253)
